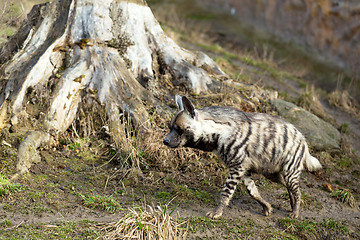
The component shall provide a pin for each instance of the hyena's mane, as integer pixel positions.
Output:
(226, 115)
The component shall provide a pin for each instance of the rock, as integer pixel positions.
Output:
(320, 135)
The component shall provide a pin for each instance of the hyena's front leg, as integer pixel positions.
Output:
(227, 192)
(253, 191)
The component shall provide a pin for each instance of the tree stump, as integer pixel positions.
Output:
(70, 56)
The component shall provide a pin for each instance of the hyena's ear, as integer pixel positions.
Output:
(179, 102)
(189, 107)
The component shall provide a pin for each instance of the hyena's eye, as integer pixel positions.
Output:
(178, 129)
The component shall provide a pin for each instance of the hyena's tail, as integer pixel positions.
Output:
(312, 164)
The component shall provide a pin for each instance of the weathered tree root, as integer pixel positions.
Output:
(27, 151)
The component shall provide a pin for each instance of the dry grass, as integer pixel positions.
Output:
(128, 146)
(156, 153)
(164, 157)
(151, 223)
(310, 101)
(343, 100)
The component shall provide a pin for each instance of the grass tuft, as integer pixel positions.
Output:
(140, 223)
(107, 203)
(308, 229)
(343, 100)
(344, 196)
(345, 128)
(7, 187)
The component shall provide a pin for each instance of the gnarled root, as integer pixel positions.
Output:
(27, 152)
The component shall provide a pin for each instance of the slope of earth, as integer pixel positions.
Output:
(12, 12)
(82, 183)
(255, 57)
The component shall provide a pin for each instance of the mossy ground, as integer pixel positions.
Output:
(77, 187)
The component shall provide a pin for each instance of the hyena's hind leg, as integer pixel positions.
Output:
(227, 192)
(292, 185)
(253, 191)
(292, 199)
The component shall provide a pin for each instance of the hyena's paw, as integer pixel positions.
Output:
(294, 214)
(267, 210)
(215, 214)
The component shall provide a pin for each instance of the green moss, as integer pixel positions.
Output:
(35, 196)
(163, 195)
(203, 196)
(345, 162)
(344, 196)
(311, 230)
(231, 229)
(6, 30)
(107, 203)
(59, 230)
(218, 49)
(205, 182)
(191, 194)
(202, 224)
(6, 223)
(345, 128)
(7, 187)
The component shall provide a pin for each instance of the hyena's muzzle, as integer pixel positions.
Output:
(173, 139)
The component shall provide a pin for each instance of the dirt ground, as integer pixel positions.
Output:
(80, 183)
(72, 192)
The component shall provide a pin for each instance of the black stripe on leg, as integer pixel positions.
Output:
(231, 184)
(226, 192)
(290, 167)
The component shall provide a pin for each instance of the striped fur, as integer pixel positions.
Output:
(247, 143)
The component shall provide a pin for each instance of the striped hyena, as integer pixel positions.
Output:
(247, 143)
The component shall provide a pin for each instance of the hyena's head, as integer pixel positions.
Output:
(185, 125)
